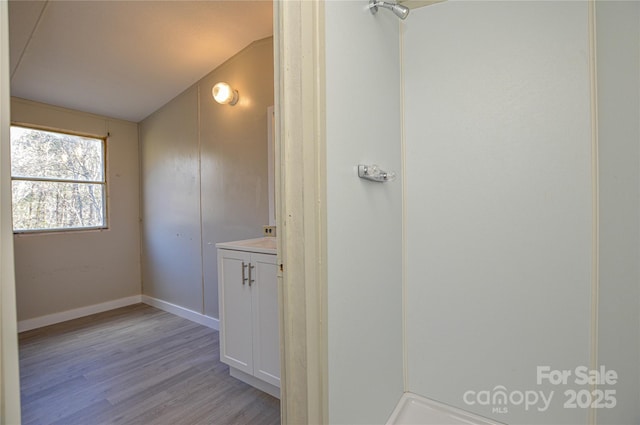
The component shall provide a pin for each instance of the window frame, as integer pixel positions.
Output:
(104, 183)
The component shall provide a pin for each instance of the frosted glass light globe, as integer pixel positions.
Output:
(224, 94)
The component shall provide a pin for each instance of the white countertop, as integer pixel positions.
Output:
(261, 245)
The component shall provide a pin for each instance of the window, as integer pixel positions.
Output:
(58, 181)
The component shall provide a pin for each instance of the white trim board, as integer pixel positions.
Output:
(63, 316)
(185, 313)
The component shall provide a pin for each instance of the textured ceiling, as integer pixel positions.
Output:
(124, 59)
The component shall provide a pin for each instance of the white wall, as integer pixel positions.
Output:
(61, 271)
(498, 200)
(618, 47)
(204, 176)
(364, 219)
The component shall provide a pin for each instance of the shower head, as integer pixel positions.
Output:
(399, 10)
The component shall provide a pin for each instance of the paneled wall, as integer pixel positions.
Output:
(170, 170)
(61, 271)
(235, 194)
(204, 179)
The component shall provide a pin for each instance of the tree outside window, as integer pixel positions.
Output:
(58, 181)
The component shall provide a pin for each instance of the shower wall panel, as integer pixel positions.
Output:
(364, 219)
(618, 47)
(498, 206)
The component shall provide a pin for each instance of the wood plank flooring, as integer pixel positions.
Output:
(133, 365)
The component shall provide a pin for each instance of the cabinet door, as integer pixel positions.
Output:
(266, 335)
(235, 310)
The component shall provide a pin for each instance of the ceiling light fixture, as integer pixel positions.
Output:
(224, 94)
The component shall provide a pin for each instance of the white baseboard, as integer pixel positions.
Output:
(185, 313)
(63, 316)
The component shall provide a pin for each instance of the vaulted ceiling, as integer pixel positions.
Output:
(125, 59)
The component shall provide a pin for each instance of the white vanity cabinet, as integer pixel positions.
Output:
(248, 301)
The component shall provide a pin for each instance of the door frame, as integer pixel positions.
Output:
(9, 371)
(299, 65)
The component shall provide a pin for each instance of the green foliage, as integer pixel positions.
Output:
(58, 180)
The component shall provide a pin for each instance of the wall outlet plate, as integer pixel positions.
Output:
(269, 231)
